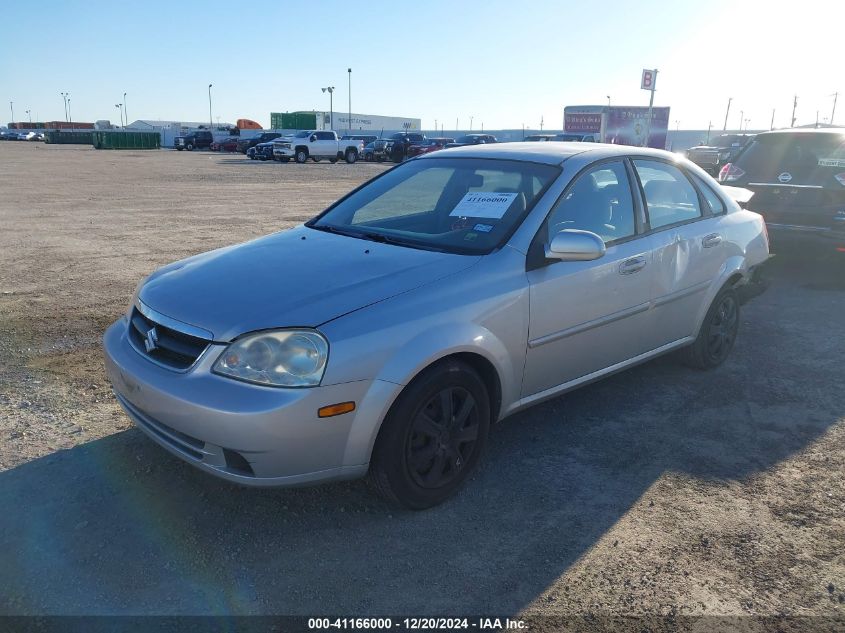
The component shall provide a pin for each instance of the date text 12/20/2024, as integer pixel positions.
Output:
(416, 624)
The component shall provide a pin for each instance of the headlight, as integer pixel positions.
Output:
(283, 358)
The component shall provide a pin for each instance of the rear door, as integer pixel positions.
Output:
(689, 248)
(326, 144)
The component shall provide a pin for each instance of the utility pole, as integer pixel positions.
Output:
(12, 107)
(125, 109)
(210, 119)
(772, 124)
(794, 105)
(835, 96)
(727, 112)
(349, 70)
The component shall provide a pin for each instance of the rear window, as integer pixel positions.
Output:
(805, 157)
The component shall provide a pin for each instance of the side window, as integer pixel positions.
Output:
(325, 136)
(598, 201)
(714, 202)
(670, 197)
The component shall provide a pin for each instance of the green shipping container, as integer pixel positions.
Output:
(110, 139)
(293, 120)
(68, 138)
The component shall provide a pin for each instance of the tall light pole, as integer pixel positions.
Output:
(727, 112)
(709, 127)
(65, 95)
(470, 124)
(741, 114)
(119, 106)
(794, 105)
(125, 108)
(210, 120)
(69, 117)
(835, 97)
(772, 124)
(747, 121)
(12, 107)
(608, 101)
(677, 124)
(349, 123)
(29, 114)
(330, 90)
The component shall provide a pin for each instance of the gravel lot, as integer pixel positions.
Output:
(660, 491)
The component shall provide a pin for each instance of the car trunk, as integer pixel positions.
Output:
(797, 178)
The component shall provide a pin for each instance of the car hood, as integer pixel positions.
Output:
(301, 277)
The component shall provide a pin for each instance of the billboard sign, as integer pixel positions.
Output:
(587, 122)
(628, 125)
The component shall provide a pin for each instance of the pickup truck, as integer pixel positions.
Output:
(316, 145)
(195, 140)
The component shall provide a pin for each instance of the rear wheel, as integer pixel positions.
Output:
(433, 437)
(718, 333)
(189, 147)
(316, 159)
(351, 156)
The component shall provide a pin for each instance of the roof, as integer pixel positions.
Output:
(806, 131)
(552, 152)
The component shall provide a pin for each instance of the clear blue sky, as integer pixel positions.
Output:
(503, 62)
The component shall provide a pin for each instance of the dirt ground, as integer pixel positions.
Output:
(661, 491)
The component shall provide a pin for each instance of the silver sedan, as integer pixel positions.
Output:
(385, 336)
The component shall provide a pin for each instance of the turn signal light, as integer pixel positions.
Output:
(335, 409)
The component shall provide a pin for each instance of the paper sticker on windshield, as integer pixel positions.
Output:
(483, 228)
(831, 162)
(484, 205)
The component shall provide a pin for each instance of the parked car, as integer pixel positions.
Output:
(535, 138)
(401, 142)
(723, 149)
(229, 144)
(364, 138)
(428, 146)
(387, 335)
(381, 149)
(263, 151)
(317, 145)
(576, 137)
(798, 180)
(244, 144)
(473, 139)
(8, 135)
(201, 139)
(250, 153)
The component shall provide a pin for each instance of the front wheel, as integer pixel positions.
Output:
(189, 147)
(301, 156)
(433, 437)
(718, 332)
(351, 156)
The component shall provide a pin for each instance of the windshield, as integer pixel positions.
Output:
(457, 205)
(305, 134)
(728, 140)
(807, 157)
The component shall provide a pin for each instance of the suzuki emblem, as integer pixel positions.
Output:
(785, 177)
(151, 340)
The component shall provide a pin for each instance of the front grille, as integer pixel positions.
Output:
(164, 345)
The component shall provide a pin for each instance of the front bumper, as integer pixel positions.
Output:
(248, 434)
(811, 236)
(283, 152)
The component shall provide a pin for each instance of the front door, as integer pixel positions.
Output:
(588, 316)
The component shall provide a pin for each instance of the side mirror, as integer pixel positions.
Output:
(573, 245)
(313, 138)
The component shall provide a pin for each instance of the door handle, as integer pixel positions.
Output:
(632, 265)
(709, 241)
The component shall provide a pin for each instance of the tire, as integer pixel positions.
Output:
(301, 155)
(351, 156)
(316, 159)
(189, 147)
(332, 160)
(179, 149)
(718, 332)
(418, 462)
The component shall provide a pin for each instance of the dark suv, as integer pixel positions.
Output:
(265, 137)
(720, 150)
(195, 140)
(798, 180)
(401, 142)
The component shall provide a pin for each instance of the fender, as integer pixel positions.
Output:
(409, 361)
(736, 264)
